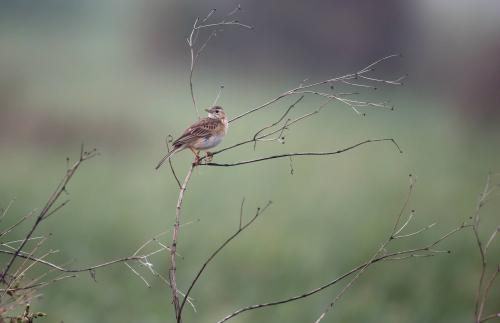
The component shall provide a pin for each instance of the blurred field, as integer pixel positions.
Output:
(326, 218)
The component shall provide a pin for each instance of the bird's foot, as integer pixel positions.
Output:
(196, 161)
(209, 156)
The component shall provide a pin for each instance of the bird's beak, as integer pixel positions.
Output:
(207, 110)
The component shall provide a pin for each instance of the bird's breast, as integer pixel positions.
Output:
(210, 142)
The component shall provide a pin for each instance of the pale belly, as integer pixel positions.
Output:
(208, 143)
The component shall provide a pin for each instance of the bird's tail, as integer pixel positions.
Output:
(167, 156)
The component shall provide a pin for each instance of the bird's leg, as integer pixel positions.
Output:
(196, 156)
(209, 156)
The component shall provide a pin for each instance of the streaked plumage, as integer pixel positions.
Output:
(202, 135)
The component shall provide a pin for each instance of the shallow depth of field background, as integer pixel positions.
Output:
(115, 76)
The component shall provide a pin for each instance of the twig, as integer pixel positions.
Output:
(490, 317)
(219, 92)
(169, 138)
(37, 285)
(264, 137)
(193, 38)
(279, 120)
(83, 269)
(241, 212)
(12, 227)
(6, 209)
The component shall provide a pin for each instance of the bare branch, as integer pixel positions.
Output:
(482, 290)
(380, 255)
(212, 256)
(302, 154)
(341, 79)
(170, 139)
(195, 51)
(219, 92)
(173, 247)
(84, 155)
(83, 269)
(6, 209)
(12, 227)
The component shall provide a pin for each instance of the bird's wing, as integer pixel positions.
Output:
(201, 129)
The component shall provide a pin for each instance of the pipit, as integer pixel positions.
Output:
(202, 135)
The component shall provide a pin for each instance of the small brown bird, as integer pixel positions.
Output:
(202, 135)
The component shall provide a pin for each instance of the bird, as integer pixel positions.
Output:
(204, 134)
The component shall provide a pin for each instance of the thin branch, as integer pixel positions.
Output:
(280, 119)
(138, 274)
(83, 269)
(264, 137)
(84, 155)
(12, 227)
(37, 285)
(395, 232)
(476, 222)
(212, 256)
(492, 237)
(490, 317)
(302, 154)
(219, 92)
(195, 51)
(352, 76)
(6, 210)
(169, 139)
(482, 289)
(486, 292)
(241, 212)
(336, 280)
(380, 255)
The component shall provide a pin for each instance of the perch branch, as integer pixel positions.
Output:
(173, 247)
(302, 154)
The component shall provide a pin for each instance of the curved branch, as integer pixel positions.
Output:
(48, 208)
(352, 76)
(212, 256)
(77, 270)
(302, 154)
(390, 256)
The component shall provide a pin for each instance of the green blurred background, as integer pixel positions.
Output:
(114, 74)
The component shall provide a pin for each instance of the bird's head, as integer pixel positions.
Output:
(216, 112)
